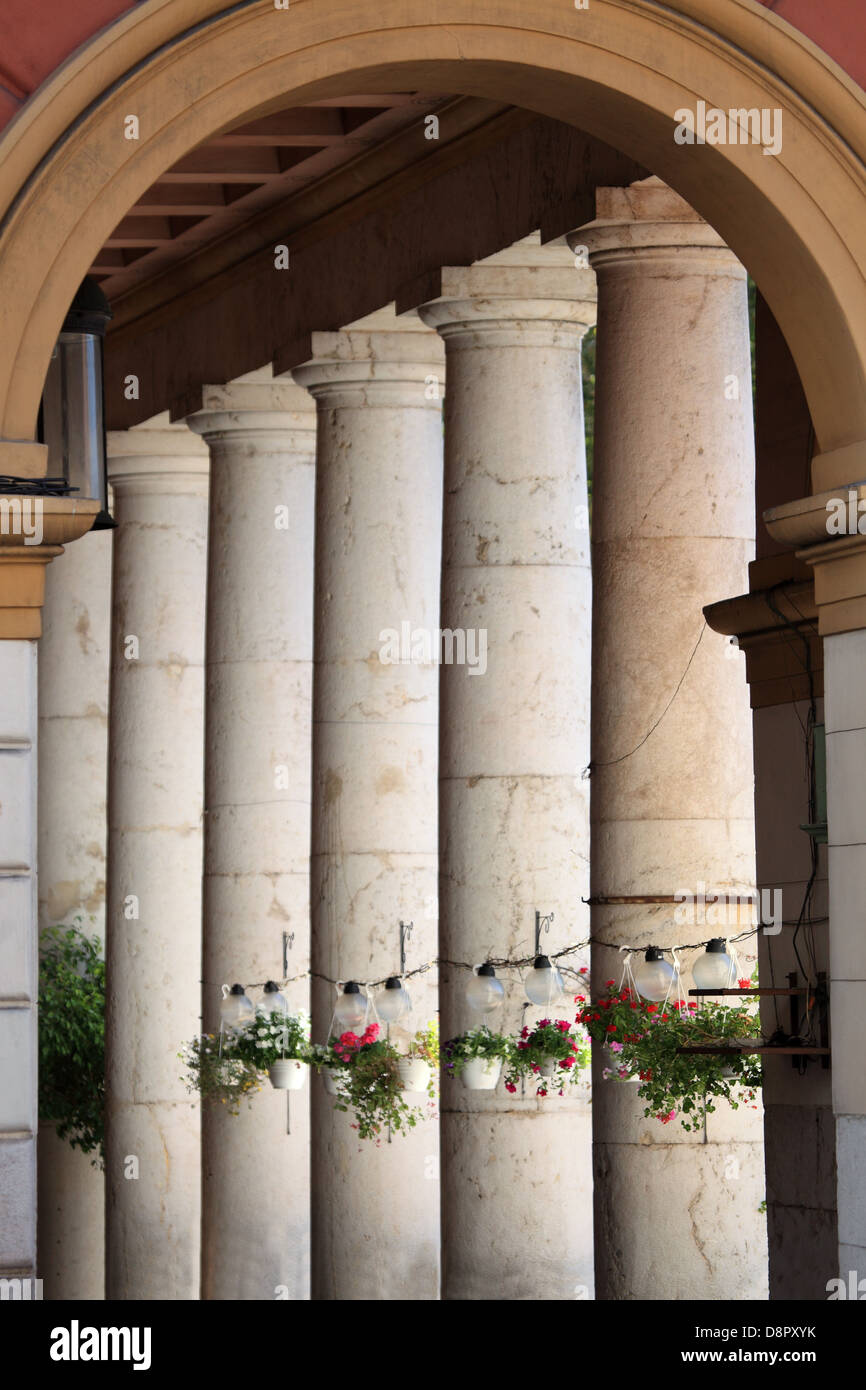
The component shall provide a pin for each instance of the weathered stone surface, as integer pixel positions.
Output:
(375, 1220)
(152, 1173)
(256, 1178)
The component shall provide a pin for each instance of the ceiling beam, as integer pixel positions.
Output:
(180, 199)
(298, 126)
(212, 164)
(350, 253)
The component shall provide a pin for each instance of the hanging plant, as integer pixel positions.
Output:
(477, 1057)
(370, 1085)
(72, 1038)
(551, 1054)
(420, 1063)
(645, 1037)
(232, 1069)
(276, 1042)
(217, 1077)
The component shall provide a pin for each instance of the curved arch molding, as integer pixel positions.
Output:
(618, 70)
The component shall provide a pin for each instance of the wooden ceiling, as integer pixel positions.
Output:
(241, 172)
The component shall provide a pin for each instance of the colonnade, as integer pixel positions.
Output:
(336, 786)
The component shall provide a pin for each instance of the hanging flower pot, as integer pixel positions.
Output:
(331, 1079)
(287, 1074)
(414, 1073)
(481, 1073)
(613, 1064)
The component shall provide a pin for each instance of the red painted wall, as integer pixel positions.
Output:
(837, 26)
(35, 38)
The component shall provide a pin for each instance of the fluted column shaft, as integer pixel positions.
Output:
(513, 741)
(672, 530)
(378, 514)
(256, 1177)
(153, 913)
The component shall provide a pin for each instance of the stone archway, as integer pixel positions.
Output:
(797, 220)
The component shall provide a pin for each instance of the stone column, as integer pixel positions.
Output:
(153, 910)
(673, 529)
(375, 722)
(73, 757)
(514, 740)
(256, 1177)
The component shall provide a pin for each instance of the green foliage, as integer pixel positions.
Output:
(218, 1077)
(370, 1084)
(477, 1042)
(72, 1037)
(231, 1070)
(645, 1039)
(425, 1044)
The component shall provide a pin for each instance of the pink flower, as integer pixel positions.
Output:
(545, 1023)
(536, 1067)
(567, 1063)
(541, 1091)
(510, 1086)
(563, 1025)
(615, 1046)
(349, 1039)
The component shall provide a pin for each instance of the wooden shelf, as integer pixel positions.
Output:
(763, 990)
(766, 1051)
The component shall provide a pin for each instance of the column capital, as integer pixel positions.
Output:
(255, 410)
(33, 531)
(651, 224)
(528, 294)
(383, 359)
(157, 456)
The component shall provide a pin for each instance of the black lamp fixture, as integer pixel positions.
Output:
(72, 413)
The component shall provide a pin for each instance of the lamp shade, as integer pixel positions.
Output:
(351, 1006)
(72, 413)
(274, 1002)
(236, 1009)
(714, 969)
(543, 983)
(484, 993)
(653, 975)
(393, 1002)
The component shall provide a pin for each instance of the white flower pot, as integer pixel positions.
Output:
(414, 1073)
(331, 1078)
(613, 1060)
(287, 1074)
(481, 1073)
(548, 1066)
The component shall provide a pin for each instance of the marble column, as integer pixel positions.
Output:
(378, 387)
(514, 740)
(153, 908)
(73, 757)
(256, 1177)
(677, 1214)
